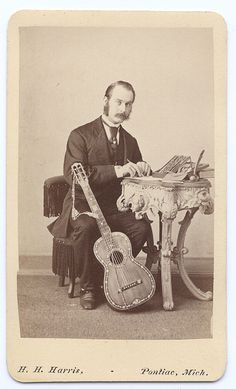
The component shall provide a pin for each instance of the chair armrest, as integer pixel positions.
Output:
(55, 180)
(55, 190)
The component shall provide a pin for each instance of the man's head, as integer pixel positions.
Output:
(118, 101)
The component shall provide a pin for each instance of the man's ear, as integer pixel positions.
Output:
(105, 100)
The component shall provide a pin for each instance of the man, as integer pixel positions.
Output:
(111, 153)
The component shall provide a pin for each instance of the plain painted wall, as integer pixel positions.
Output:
(64, 72)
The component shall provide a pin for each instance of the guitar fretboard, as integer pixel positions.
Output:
(81, 179)
(100, 219)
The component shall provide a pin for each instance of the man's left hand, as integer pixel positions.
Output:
(145, 168)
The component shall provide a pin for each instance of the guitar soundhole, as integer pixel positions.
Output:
(116, 257)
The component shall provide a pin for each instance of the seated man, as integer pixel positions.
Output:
(111, 153)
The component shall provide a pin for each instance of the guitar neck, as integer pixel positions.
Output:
(100, 219)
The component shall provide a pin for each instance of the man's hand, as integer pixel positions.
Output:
(144, 168)
(131, 169)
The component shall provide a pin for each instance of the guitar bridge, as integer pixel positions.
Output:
(131, 285)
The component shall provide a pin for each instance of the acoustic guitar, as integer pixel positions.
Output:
(127, 283)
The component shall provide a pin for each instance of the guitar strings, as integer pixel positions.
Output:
(124, 277)
(108, 242)
(116, 260)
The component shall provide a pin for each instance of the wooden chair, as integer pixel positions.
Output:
(63, 262)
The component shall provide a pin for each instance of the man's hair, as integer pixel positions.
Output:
(125, 84)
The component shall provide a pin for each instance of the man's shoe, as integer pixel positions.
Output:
(87, 299)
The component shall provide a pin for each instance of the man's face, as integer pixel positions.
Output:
(119, 106)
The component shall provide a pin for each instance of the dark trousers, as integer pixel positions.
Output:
(86, 232)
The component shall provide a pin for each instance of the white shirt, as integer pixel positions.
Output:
(107, 124)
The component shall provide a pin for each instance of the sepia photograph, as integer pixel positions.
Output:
(116, 183)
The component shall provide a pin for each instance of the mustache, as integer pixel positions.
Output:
(122, 115)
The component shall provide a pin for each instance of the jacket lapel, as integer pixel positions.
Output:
(99, 147)
(126, 145)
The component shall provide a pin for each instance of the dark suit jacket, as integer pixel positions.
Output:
(88, 144)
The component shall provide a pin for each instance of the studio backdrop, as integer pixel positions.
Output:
(64, 72)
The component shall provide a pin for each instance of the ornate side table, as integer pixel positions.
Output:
(148, 196)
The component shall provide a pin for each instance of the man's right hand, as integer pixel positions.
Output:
(131, 169)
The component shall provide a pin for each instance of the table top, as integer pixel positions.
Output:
(159, 183)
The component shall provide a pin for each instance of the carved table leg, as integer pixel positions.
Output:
(184, 224)
(168, 304)
(160, 229)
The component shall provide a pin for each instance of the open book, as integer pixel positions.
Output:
(180, 168)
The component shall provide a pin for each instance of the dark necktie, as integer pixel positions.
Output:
(113, 138)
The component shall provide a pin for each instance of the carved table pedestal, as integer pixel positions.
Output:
(149, 197)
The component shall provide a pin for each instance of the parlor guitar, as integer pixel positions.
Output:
(127, 283)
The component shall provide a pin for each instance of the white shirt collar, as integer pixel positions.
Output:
(107, 124)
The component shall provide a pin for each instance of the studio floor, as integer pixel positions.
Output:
(45, 311)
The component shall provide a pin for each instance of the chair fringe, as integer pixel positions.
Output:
(63, 261)
(54, 195)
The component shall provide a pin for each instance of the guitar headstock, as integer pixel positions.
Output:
(79, 173)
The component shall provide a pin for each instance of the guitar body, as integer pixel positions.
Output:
(127, 283)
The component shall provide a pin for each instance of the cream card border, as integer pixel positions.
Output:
(207, 354)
